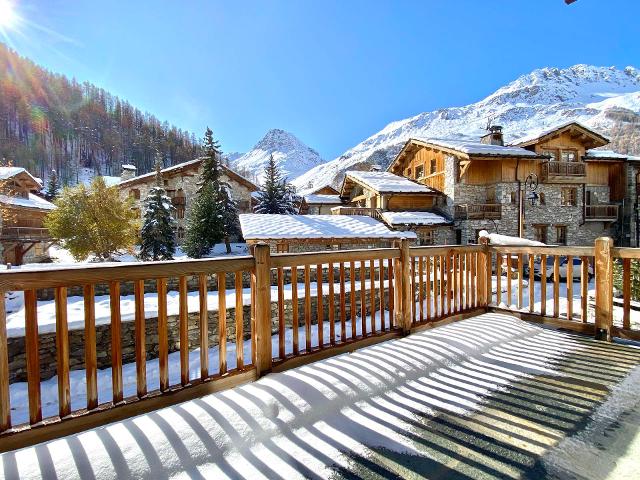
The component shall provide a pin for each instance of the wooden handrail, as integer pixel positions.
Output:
(564, 169)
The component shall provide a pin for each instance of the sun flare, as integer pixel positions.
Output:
(8, 15)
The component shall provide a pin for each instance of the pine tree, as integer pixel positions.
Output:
(157, 237)
(213, 216)
(52, 186)
(277, 195)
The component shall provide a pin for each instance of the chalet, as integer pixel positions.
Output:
(181, 184)
(291, 233)
(22, 234)
(553, 186)
(320, 201)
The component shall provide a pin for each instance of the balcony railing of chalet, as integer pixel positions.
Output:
(563, 169)
(368, 296)
(601, 212)
(434, 180)
(24, 233)
(365, 211)
(487, 211)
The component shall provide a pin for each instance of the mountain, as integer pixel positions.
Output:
(48, 121)
(293, 156)
(605, 98)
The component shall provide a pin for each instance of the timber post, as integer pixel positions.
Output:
(404, 312)
(482, 274)
(262, 321)
(604, 287)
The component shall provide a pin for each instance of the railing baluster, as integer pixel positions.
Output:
(184, 331)
(569, 287)
(352, 298)
(413, 289)
(543, 285)
(454, 273)
(307, 307)
(391, 291)
(509, 282)
(584, 289)
(163, 334)
(381, 294)
(532, 265)
(320, 305)
(421, 287)
(204, 325)
(626, 293)
(33, 356)
(448, 283)
(90, 357)
(556, 286)
(239, 322)
(141, 353)
(372, 294)
(332, 305)
(62, 352)
(474, 283)
(428, 286)
(222, 321)
(294, 309)
(281, 323)
(520, 282)
(442, 286)
(363, 299)
(498, 279)
(5, 400)
(343, 307)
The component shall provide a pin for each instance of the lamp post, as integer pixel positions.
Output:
(528, 193)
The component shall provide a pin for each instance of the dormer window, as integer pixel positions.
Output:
(419, 171)
(568, 156)
(433, 166)
(550, 153)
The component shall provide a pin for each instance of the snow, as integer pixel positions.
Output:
(387, 182)
(323, 199)
(34, 201)
(478, 148)
(10, 172)
(128, 166)
(533, 102)
(269, 226)
(414, 218)
(497, 239)
(599, 153)
(486, 394)
(111, 181)
(543, 132)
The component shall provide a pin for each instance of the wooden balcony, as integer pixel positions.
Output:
(486, 211)
(601, 213)
(568, 172)
(24, 234)
(434, 180)
(364, 211)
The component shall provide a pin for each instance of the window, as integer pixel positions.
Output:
(180, 234)
(568, 156)
(458, 236)
(408, 172)
(513, 197)
(588, 199)
(180, 202)
(541, 199)
(550, 153)
(419, 171)
(540, 232)
(433, 166)
(568, 197)
(135, 193)
(426, 237)
(561, 234)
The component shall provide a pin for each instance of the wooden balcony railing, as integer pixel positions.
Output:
(601, 212)
(368, 212)
(281, 311)
(24, 234)
(434, 180)
(487, 211)
(570, 170)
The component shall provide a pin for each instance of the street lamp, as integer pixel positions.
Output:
(529, 193)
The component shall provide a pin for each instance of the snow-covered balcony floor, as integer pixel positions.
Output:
(487, 397)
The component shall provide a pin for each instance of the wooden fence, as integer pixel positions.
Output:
(371, 296)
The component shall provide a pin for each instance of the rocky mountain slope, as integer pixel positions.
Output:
(293, 156)
(605, 98)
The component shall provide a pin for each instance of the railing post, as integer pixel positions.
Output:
(481, 273)
(404, 318)
(262, 297)
(604, 287)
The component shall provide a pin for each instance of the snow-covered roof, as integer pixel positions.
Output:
(387, 182)
(323, 199)
(478, 148)
(536, 134)
(34, 201)
(128, 166)
(270, 227)
(414, 218)
(506, 240)
(111, 181)
(610, 154)
(10, 172)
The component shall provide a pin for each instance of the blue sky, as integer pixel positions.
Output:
(331, 72)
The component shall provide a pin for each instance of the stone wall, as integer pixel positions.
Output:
(47, 342)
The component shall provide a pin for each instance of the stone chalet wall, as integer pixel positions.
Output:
(47, 341)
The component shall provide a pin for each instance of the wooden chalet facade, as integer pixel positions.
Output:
(181, 184)
(319, 201)
(22, 233)
(582, 193)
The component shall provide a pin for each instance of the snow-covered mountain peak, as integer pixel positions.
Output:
(604, 98)
(293, 156)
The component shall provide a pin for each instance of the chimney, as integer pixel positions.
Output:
(494, 137)
(128, 172)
